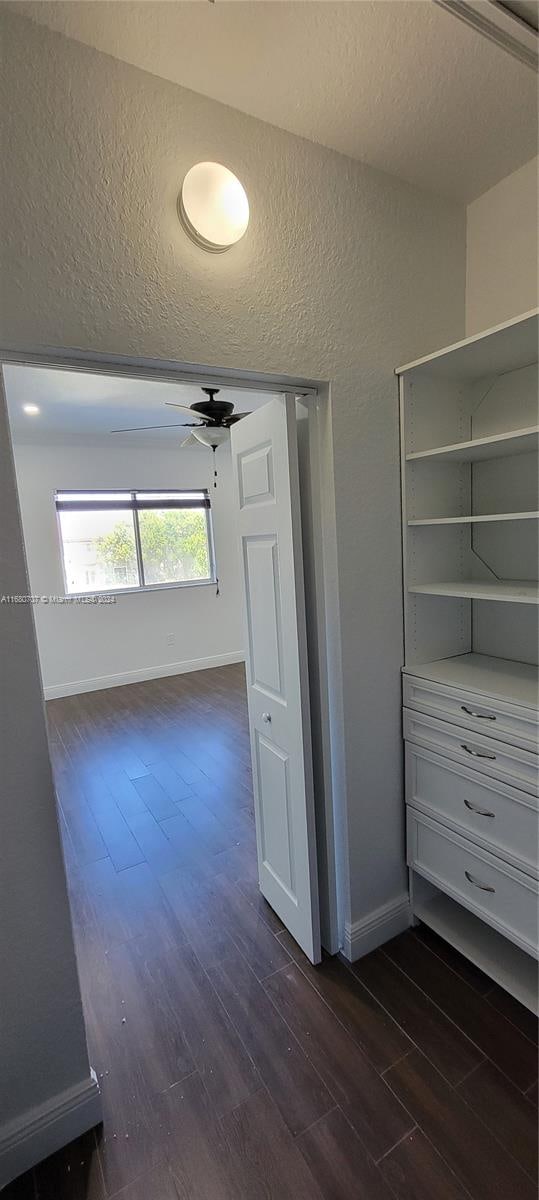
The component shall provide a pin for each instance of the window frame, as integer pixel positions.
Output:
(134, 508)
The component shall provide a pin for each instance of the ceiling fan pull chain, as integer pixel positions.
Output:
(217, 591)
(214, 448)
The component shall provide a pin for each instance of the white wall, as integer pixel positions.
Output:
(344, 273)
(84, 646)
(43, 1055)
(501, 239)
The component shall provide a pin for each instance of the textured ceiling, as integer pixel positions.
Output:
(75, 405)
(399, 84)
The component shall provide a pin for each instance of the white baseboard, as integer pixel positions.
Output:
(378, 927)
(56, 690)
(42, 1130)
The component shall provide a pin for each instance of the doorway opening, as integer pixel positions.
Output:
(135, 578)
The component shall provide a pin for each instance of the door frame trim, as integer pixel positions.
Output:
(128, 365)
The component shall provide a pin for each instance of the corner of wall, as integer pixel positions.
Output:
(42, 1130)
(360, 937)
(501, 251)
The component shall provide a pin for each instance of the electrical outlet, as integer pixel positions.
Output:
(171, 639)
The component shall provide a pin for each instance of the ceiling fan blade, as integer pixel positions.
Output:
(235, 417)
(142, 428)
(192, 412)
(172, 404)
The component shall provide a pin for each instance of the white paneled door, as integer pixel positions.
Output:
(264, 452)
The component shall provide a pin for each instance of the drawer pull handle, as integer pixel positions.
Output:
(480, 716)
(476, 753)
(481, 812)
(485, 887)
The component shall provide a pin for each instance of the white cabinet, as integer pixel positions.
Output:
(470, 508)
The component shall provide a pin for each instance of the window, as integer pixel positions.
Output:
(124, 541)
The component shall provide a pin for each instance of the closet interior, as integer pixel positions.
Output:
(470, 508)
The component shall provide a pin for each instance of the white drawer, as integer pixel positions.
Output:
(485, 715)
(502, 819)
(502, 896)
(496, 759)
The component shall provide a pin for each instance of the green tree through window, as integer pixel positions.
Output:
(174, 544)
(117, 549)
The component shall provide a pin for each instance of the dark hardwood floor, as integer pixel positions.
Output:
(230, 1068)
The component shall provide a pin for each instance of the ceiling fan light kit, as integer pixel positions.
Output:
(212, 427)
(212, 436)
(213, 207)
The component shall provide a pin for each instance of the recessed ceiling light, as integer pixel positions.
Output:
(213, 206)
(31, 410)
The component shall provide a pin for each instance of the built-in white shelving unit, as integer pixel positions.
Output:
(470, 507)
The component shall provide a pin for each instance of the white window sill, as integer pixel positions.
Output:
(149, 587)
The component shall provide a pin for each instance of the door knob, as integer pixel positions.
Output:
(267, 718)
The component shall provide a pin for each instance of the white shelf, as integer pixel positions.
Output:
(495, 351)
(517, 441)
(475, 520)
(504, 962)
(511, 591)
(513, 681)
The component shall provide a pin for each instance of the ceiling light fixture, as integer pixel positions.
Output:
(213, 206)
(211, 437)
(31, 410)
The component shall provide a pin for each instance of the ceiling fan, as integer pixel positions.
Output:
(214, 419)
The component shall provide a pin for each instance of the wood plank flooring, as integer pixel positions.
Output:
(230, 1068)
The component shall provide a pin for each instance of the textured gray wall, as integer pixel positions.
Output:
(344, 273)
(42, 1039)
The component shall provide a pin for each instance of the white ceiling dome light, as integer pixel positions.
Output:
(213, 206)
